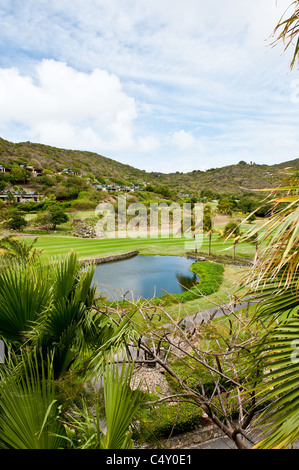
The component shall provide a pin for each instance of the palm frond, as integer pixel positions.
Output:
(289, 31)
(28, 406)
(121, 404)
(24, 295)
(278, 354)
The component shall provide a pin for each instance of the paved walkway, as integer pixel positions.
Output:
(215, 312)
(226, 443)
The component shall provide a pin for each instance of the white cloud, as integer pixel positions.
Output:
(64, 105)
(184, 140)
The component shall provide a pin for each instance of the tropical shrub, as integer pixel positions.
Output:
(84, 204)
(28, 407)
(196, 377)
(56, 341)
(15, 221)
(170, 419)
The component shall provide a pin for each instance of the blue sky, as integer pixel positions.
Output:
(163, 85)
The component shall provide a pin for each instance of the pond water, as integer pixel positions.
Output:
(144, 276)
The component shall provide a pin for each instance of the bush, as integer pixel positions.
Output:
(194, 377)
(28, 206)
(166, 420)
(84, 204)
(16, 221)
(230, 400)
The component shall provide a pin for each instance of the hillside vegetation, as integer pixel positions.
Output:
(231, 179)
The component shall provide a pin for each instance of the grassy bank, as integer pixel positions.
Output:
(210, 279)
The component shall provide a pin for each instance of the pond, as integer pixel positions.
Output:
(144, 276)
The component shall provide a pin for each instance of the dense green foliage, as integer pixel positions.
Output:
(99, 169)
(15, 220)
(53, 338)
(170, 419)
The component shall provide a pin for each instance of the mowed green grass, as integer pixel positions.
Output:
(53, 246)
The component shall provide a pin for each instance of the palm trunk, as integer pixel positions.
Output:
(195, 245)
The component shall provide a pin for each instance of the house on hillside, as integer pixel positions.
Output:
(33, 171)
(20, 196)
(68, 171)
(101, 187)
(4, 169)
(111, 187)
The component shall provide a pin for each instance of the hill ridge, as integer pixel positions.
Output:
(233, 178)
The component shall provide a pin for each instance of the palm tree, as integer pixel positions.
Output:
(195, 227)
(10, 197)
(121, 406)
(13, 248)
(54, 334)
(288, 31)
(195, 230)
(208, 228)
(28, 404)
(274, 282)
(33, 418)
(232, 230)
(253, 240)
(50, 307)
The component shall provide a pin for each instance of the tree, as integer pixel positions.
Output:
(208, 228)
(10, 197)
(33, 415)
(232, 230)
(225, 206)
(164, 191)
(121, 405)
(16, 221)
(253, 240)
(43, 220)
(56, 339)
(208, 194)
(53, 216)
(195, 228)
(206, 364)
(273, 282)
(247, 204)
(3, 183)
(58, 215)
(18, 174)
(13, 248)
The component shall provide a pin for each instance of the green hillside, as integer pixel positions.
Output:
(228, 179)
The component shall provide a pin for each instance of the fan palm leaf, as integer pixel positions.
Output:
(24, 294)
(121, 404)
(111, 430)
(28, 407)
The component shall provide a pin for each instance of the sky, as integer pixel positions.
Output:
(162, 85)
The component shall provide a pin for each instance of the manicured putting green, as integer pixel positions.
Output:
(91, 248)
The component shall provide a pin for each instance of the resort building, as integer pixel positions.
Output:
(19, 196)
